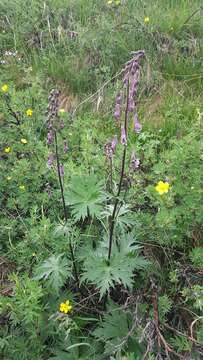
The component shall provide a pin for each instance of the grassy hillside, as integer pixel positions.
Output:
(101, 221)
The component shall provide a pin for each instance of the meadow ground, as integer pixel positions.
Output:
(101, 179)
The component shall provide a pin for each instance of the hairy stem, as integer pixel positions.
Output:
(64, 208)
(113, 216)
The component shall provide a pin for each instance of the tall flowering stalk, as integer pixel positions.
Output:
(131, 75)
(53, 126)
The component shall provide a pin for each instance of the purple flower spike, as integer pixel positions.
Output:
(134, 162)
(65, 147)
(114, 142)
(123, 136)
(50, 137)
(137, 125)
(117, 112)
(50, 161)
(61, 170)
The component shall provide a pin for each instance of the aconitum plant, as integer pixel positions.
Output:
(126, 103)
(53, 129)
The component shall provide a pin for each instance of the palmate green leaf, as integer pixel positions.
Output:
(55, 271)
(105, 275)
(128, 245)
(85, 196)
(114, 327)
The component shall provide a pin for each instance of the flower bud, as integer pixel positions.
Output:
(137, 125)
(123, 136)
(134, 162)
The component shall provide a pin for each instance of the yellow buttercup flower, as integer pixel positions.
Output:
(7, 149)
(4, 88)
(65, 307)
(146, 20)
(22, 187)
(162, 187)
(23, 141)
(9, 178)
(29, 112)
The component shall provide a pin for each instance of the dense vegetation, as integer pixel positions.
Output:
(101, 152)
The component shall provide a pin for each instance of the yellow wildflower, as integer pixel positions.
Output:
(22, 187)
(29, 112)
(23, 141)
(4, 88)
(62, 111)
(146, 20)
(162, 187)
(109, 2)
(9, 178)
(7, 149)
(65, 307)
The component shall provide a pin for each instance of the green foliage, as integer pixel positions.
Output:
(194, 295)
(120, 269)
(24, 307)
(196, 257)
(84, 195)
(113, 329)
(54, 271)
(181, 344)
(165, 305)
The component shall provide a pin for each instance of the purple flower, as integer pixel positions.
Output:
(65, 147)
(110, 148)
(50, 160)
(134, 162)
(117, 112)
(50, 137)
(114, 142)
(131, 105)
(137, 125)
(61, 170)
(126, 78)
(135, 67)
(123, 136)
(134, 86)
